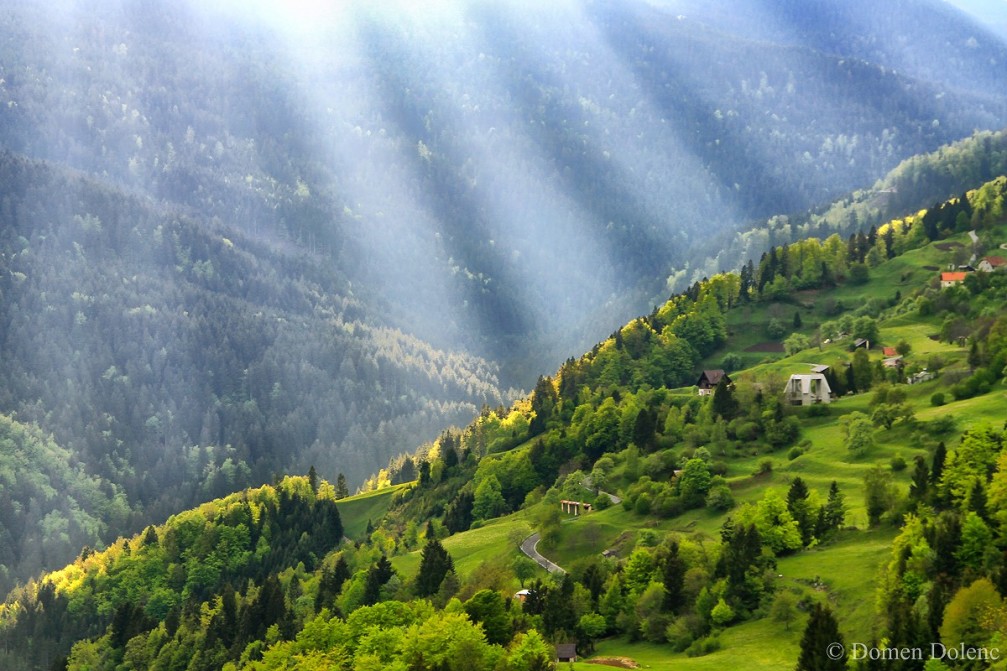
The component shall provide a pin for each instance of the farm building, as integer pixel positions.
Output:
(709, 379)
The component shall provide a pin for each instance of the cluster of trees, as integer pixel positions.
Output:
(157, 585)
(946, 580)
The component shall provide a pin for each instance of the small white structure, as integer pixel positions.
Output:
(808, 389)
(574, 507)
(990, 264)
(923, 376)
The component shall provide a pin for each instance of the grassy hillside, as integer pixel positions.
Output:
(721, 520)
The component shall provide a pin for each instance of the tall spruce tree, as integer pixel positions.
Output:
(921, 480)
(800, 509)
(331, 584)
(822, 646)
(835, 508)
(724, 403)
(342, 491)
(380, 573)
(434, 565)
(674, 580)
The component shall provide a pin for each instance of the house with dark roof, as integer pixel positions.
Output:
(566, 652)
(709, 379)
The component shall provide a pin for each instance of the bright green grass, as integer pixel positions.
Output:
(356, 511)
(758, 645)
(848, 567)
(498, 540)
(989, 408)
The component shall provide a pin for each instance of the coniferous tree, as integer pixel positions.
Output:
(797, 504)
(558, 612)
(822, 646)
(673, 580)
(921, 480)
(458, 513)
(739, 563)
(341, 490)
(835, 507)
(379, 574)
(977, 499)
(851, 380)
(724, 402)
(644, 429)
(449, 453)
(331, 584)
(313, 479)
(434, 565)
(534, 602)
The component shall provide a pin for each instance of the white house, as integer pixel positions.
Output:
(808, 389)
(991, 263)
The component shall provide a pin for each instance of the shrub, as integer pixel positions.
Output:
(703, 646)
(794, 453)
(679, 634)
(937, 399)
(775, 328)
(731, 362)
(765, 466)
(720, 498)
(898, 463)
(818, 410)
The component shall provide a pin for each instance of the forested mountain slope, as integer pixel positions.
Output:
(742, 518)
(180, 360)
(495, 171)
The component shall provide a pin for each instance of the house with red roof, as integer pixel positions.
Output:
(990, 263)
(951, 279)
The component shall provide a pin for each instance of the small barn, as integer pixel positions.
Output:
(709, 380)
(808, 389)
(566, 652)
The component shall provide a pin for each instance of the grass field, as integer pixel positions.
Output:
(496, 541)
(761, 645)
(356, 511)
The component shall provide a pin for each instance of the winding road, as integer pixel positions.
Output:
(530, 545)
(530, 548)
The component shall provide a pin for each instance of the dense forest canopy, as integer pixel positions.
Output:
(492, 173)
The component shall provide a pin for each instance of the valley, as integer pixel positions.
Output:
(881, 505)
(303, 316)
